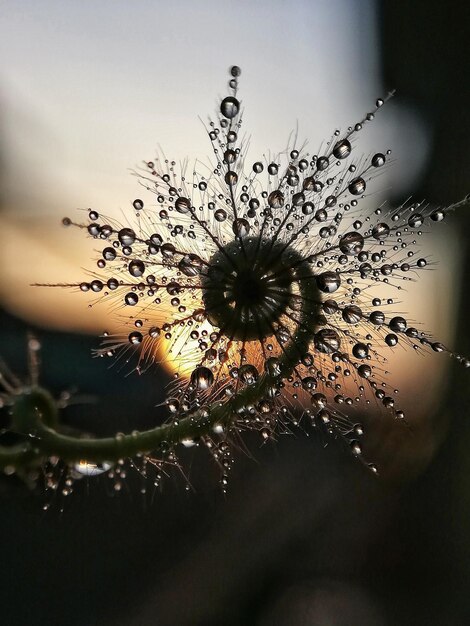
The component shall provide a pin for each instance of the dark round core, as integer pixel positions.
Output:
(251, 284)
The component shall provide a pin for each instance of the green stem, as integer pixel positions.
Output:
(35, 413)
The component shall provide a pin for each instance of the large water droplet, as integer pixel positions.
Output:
(357, 186)
(326, 340)
(352, 314)
(126, 236)
(136, 268)
(182, 205)
(328, 282)
(229, 107)
(131, 298)
(248, 374)
(342, 149)
(202, 378)
(398, 324)
(220, 215)
(378, 159)
(276, 199)
(240, 227)
(135, 337)
(381, 231)
(351, 243)
(360, 350)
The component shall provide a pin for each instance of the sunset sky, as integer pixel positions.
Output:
(90, 93)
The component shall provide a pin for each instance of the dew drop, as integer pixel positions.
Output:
(360, 350)
(342, 149)
(229, 107)
(248, 374)
(391, 340)
(109, 254)
(202, 378)
(351, 243)
(326, 340)
(135, 337)
(276, 199)
(357, 186)
(131, 298)
(183, 205)
(126, 236)
(328, 282)
(136, 268)
(378, 159)
(380, 231)
(240, 227)
(352, 314)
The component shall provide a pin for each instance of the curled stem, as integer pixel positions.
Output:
(34, 412)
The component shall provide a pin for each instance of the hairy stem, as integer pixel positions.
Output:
(34, 414)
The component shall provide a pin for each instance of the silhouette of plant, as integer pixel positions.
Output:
(259, 281)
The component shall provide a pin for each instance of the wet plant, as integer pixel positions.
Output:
(258, 280)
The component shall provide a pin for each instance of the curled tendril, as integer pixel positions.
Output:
(262, 283)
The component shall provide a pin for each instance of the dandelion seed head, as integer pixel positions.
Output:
(265, 274)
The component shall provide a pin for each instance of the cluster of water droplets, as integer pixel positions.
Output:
(323, 335)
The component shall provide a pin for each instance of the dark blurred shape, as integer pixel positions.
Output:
(324, 603)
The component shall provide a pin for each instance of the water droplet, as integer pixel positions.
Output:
(360, 350)
(319, 401)
(351, 243)
(357, 186)
(109, 254)
(398, 324)
(273, 367)
(235, 71)
(437, 215)
(135, 337)
(322, 163)
(328, 282)
(240, 227)
(352, 314)
(183, 205)
(378, 160)
(231, 178)
(136, 268)
(248, 374)
(364, 371)
(276, 199)
(126, 236)
(391, 340)
(415, 220)
(308, 208)
(381, 231)
(190, 265)
(326, 340)
(202, 378)
(229, 107)
(377, 318)
(342, 149)
(220, 215)
(131, 298)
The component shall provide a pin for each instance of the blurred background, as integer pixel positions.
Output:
(304, 536)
